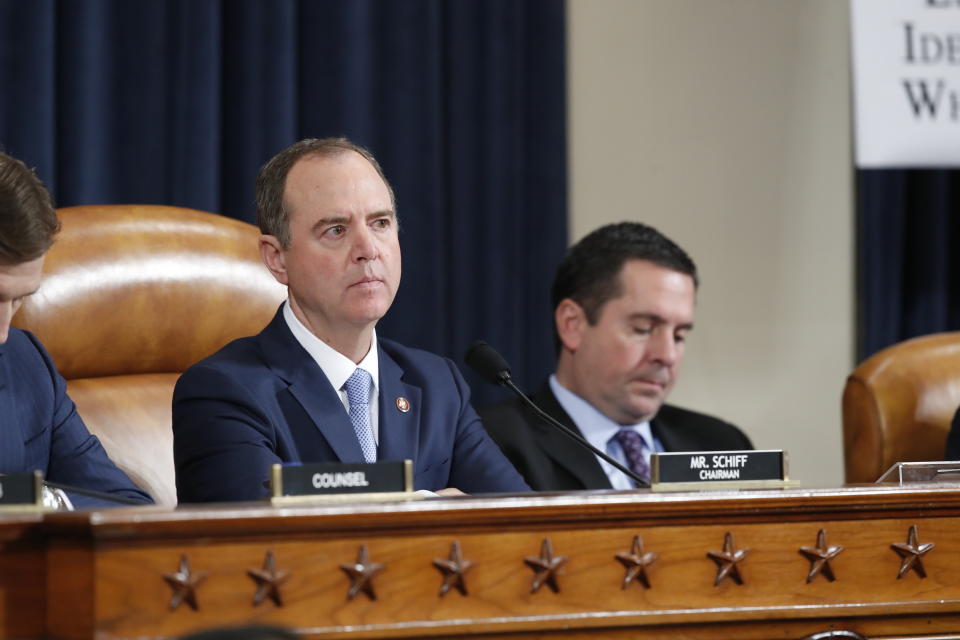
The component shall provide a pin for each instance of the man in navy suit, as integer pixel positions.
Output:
(41, 429)
(623, 306)
(318, 384)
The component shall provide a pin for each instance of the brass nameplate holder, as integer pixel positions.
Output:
(341, 482)
(719, 470)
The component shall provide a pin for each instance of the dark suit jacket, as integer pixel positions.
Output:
(551, 461)
(953, 439)
(263, 400)
(42, 430)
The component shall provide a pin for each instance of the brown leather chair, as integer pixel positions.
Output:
(898, 404)
(132, 296)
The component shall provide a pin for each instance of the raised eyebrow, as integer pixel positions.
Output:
(390, 213)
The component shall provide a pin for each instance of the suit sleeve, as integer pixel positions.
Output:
(76, 456)
(223, 445)
(479, 466)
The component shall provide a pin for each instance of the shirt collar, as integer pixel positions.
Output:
(336, 366)
(595, 426)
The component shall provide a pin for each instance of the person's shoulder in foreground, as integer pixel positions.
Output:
(41, 429)
(329, 227)
(44, 431)
(624, 299)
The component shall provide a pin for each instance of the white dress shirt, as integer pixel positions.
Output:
(338, 367)
(599, 431)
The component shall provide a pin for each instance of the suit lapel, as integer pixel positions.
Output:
(577, 460)
(311, 389)
(399, 430)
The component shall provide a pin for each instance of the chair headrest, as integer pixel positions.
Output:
(147, 289)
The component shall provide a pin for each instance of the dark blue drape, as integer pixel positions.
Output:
(909, 263)
(180, 101)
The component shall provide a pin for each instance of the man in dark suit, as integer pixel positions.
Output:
(623, 305)
(318, 384)
(41, 429)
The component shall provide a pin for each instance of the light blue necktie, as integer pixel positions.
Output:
(358, 387)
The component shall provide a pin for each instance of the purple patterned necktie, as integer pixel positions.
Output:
(633, 446)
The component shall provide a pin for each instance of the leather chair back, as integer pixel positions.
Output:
(131, 297)
(898, 405)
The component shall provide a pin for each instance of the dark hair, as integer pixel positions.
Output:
(28, 222)
(272, 214)
(590, 272)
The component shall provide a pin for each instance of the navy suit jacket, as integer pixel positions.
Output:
(263, 400)
(42, 430)
(953, 439)
(550, 461)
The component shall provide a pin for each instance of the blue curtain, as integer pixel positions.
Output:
(180, 101)
(908, 263)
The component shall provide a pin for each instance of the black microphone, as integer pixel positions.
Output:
(485, 360)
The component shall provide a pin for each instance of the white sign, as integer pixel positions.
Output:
(906, 72)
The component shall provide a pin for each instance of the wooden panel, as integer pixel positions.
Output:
(22, 576)
(71, 595)
(135, 599)
(134, 548)
(22, 590)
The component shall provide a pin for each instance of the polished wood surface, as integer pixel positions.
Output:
(130, 564)
(22, 576)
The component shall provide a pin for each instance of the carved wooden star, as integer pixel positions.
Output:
(636, 562)
(727, 561)
(911, 554)
(820, 557)
(361, 574)
(453, 568)
(184, 584)
(268, 581)
(545, 567)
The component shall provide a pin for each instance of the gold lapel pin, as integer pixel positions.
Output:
(403, 404)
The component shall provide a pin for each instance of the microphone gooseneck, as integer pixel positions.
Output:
(492, 367)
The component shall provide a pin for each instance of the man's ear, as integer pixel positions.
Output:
(272, 254)
(571, 321)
